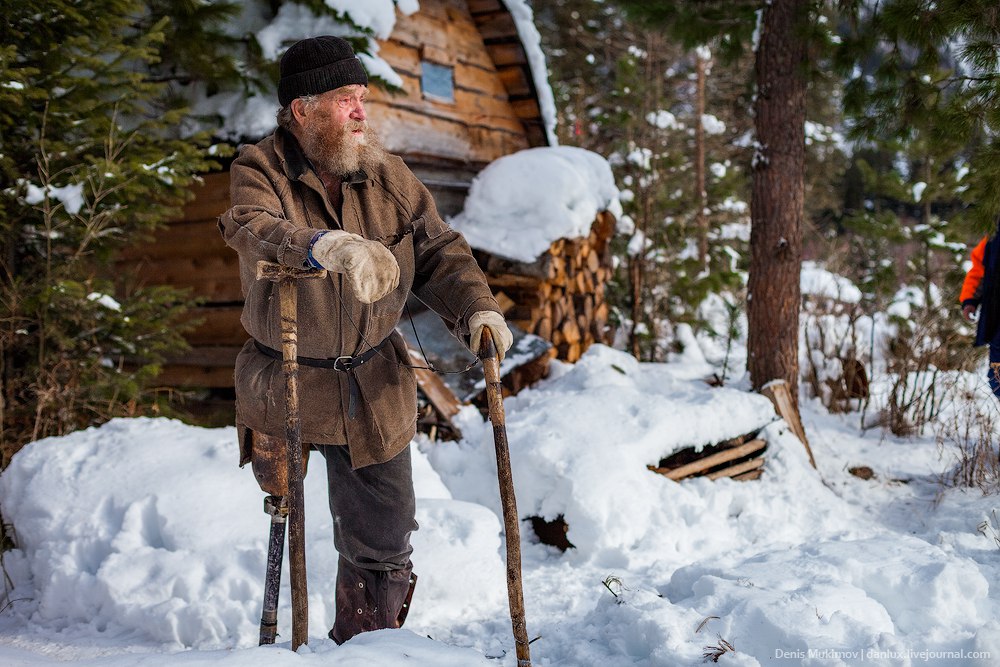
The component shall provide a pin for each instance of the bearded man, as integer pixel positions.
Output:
(322, 192)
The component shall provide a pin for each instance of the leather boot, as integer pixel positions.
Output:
(369, 600)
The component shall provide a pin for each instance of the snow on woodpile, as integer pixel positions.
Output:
(142, 542)
(518, 205)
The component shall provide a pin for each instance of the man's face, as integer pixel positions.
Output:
(334, 131)
(343, 105)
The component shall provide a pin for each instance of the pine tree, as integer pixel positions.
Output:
(926, 76)
(91, 161)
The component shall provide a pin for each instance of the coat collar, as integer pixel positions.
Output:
(296, 164)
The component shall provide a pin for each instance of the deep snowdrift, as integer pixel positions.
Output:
(141, 542)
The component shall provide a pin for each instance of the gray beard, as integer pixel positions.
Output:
(339, 153)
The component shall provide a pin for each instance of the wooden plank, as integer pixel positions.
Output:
(739, 468)
(511, 53)
(708, 462)
(437, 392)
(180, 239)
(470, 109)
(211, 278)
(516, 82)
(406, 61)
(471, 106)
(438, 54)
(496, 26)
(509, 280)
(748, 476)
(526, 108)
(460, 35)
(777, 391)
(219, 326)
(203, 377)
(209, 355)
(480, 6)
(210, 366)
(410, 131)
(211, 198)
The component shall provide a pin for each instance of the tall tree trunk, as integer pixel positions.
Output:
(925, 208)
(777, 196)
(701, 197)
(635, 274)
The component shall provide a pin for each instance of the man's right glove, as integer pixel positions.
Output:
(502, 337)
(369, 266)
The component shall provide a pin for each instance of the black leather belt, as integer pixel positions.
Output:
(344, 364)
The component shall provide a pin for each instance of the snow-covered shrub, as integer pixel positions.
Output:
(835, 334)
(968, 434)
(922, 356)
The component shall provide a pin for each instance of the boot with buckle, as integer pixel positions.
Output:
(369, 600)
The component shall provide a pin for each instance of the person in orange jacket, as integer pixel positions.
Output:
(980, 291)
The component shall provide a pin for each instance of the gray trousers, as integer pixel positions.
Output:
(373, 509)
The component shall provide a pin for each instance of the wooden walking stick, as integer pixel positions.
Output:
(515, 595)
(286, 278)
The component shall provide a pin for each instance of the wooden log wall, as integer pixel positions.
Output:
(560, 296)
(190, 253)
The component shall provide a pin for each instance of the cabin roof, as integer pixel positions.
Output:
(498, 28)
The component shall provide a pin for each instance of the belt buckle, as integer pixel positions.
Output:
(343, 363)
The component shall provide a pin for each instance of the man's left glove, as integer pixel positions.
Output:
(502, 337)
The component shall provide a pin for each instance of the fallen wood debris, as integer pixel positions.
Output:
(740, 458)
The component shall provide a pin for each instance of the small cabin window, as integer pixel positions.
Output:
(437, 82)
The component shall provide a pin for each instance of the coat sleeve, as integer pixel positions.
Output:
(970, 294)
(255, 225)
(446, 277)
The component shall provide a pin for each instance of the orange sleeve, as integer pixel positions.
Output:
(975, 274)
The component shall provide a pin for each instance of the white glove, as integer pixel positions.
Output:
(369, 266)
(502, 337)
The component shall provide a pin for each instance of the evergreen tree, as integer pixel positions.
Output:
(627, 93)
(91, 161)
(924, 80)
(782, 36)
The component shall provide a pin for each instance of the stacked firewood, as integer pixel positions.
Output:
(559, 296)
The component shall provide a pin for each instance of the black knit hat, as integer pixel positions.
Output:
(318, 64)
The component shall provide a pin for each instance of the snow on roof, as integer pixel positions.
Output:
(532, 43)
(519, 204)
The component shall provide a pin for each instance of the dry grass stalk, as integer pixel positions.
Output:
(715, 652)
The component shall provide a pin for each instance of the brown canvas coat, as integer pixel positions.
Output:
(278, 204)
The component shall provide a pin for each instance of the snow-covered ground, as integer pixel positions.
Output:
(142, 543)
